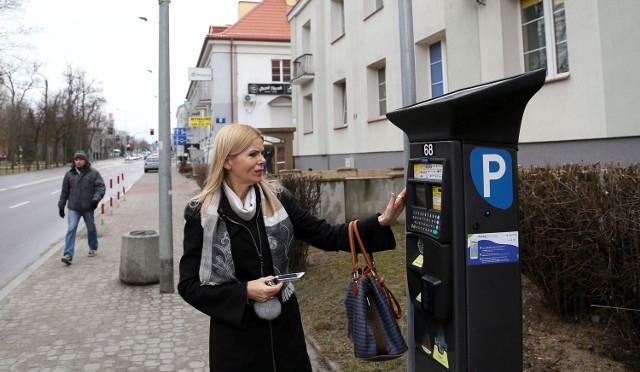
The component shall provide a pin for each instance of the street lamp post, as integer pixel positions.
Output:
(164, 142)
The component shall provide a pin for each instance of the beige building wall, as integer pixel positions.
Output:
(573, 118)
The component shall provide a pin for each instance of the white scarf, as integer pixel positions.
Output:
(245, 210)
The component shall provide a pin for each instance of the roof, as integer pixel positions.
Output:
(267, 21)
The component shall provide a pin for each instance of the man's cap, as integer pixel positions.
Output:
(80, 155)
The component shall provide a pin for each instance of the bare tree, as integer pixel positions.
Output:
(17, 78)
(11, 30)
(82, 109)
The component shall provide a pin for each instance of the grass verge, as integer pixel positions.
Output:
(321, 296)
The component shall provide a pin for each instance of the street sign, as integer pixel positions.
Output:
(200, 74)
(200, 121)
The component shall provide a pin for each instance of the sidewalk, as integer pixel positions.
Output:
(82, 318)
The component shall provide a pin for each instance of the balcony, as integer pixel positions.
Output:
(303, 71)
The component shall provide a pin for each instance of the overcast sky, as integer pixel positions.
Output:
(108, 41)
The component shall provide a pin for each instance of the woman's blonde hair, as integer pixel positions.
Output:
(231, 140)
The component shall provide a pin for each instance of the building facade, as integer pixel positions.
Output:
(346, 74)
(250, 64)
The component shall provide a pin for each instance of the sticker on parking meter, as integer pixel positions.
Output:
(418, 261)
(441, 357)
(428, 171)
(491, 171)
(492, 248)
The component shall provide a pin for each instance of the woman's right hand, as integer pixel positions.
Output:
(259, 291)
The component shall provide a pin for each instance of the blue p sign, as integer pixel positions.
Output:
(491, 171)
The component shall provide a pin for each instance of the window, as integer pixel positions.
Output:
(281, 70)
(340, 104)
(337, 19)
(307, 106)
(382, 91)
(544, 36)
(306, 38)
(436, 69)
(431, 66)
(372, 6)
(376, 90)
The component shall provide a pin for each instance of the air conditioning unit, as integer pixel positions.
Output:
(249, 98)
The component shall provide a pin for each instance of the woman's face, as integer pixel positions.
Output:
(245, 169)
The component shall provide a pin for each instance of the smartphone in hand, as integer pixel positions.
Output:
(285, 278)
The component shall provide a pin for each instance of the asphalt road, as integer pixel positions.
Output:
(29, 222)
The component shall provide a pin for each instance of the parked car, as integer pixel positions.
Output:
(152, 162)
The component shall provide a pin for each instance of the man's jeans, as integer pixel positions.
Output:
(73, 218)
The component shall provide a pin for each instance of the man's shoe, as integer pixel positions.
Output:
(66, 259)
(92, 252)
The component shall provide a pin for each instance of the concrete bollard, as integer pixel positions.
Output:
(140, 257)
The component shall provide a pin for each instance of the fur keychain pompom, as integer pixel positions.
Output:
(268, 310)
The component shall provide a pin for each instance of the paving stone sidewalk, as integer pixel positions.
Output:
(82, 318)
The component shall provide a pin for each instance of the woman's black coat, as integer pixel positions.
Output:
(238, 339)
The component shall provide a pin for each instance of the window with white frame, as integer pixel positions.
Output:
(431, 80)
(337, 19)
(377, 90)
(436, 69)
(281, 70)
(307, 107)
(340, 104)
(544, 36)
(382, 90)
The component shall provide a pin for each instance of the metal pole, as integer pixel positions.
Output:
(407, 76)
(164, 148)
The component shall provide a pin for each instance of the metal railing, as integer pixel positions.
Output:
(303, 66)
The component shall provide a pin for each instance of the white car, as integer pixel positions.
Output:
(152, 162)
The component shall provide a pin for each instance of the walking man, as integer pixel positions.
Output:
(83, 188)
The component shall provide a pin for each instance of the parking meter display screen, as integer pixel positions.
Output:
(420, 195)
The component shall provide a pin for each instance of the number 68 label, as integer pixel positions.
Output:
(428, 149)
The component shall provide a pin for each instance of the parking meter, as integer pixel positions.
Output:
(462, 248)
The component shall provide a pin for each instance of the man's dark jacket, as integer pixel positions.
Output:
(83, 188)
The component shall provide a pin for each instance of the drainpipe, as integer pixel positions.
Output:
(231, 77)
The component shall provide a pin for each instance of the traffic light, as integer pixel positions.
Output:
(128, 146)
(151, 131)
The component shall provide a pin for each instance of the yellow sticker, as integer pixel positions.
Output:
(441, 358)
(437, 197)
(418, 261)
(419, 298)
(424, 348)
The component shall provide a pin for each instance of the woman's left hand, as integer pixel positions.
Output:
(394, 209)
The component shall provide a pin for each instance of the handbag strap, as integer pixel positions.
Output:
(354, 237)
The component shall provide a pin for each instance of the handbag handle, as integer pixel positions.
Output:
(353, 235)
(394, 305)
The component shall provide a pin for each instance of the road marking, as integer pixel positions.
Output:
(55, 192)
(34, 183)
(17, 205)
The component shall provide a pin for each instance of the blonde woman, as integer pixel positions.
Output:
(237, 236)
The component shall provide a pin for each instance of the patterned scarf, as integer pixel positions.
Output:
(216, 264)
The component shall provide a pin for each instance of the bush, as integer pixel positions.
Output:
(306, 190)
(580, 235)
(202, 170)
